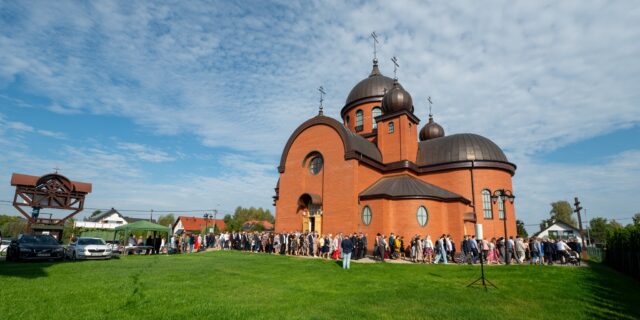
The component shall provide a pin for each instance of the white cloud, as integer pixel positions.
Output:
(145, 153)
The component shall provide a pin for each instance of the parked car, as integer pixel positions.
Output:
(35, 247)
(89, 248)
(4, 245)
(116, 246)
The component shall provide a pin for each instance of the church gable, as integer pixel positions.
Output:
(354, 145)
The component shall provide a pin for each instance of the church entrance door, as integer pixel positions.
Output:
(311, 210)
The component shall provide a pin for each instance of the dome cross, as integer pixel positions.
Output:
(374, 36)
(395, 67)
(322, 93)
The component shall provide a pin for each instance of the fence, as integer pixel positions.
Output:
(596, 254)
(626, 261)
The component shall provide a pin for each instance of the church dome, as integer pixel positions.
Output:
(459, 147)
(431, 130)
(397, 99)
(369, 89)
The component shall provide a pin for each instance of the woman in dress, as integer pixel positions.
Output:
(419, 250)
(294, 245)
(428, 250)
(492, 257)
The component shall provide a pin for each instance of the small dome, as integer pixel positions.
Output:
(431, 130)
(372, 87)
(397, 99)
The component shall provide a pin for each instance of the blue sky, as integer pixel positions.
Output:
(165, 105)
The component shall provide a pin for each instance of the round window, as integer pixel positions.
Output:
(423, 216)
(366, 215)
(315, 165)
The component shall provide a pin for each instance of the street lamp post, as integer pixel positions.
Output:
(502, 195)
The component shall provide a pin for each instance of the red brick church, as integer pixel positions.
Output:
(376, 170)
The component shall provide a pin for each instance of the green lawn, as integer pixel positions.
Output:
(233, 285)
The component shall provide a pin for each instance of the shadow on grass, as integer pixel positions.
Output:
(25, 269)
(612, 295)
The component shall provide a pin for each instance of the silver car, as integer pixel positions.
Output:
(89, 248)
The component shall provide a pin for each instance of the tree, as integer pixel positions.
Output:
(11, 226)
(166, 219)
(613, 225)
(522, 232)
(636, 219)
(598, 228)
(241, 215)
(562, 211)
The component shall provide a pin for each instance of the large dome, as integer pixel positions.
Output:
(459, 147)
(372, 88)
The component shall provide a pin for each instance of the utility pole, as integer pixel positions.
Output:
(588, 228)
(577, 211)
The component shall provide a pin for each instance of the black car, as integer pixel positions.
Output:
(35, 247)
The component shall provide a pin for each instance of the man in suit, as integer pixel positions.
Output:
(466, 250)
(363, 253)
(311, 241)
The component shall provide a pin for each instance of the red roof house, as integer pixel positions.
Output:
(193, 224)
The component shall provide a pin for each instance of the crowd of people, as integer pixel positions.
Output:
(495, 251)
(417, 249)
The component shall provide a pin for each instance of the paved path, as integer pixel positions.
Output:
(369, 259)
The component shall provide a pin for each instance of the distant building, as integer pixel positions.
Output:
(248, 225)
(560, 230)
(194, 224)
(108, 220)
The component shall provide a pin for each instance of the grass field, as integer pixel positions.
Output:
(234, 285)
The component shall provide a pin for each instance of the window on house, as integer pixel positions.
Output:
(359, 120)
(391, 127)
(486, 204)
(374, 113)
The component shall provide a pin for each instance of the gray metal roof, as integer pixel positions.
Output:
(363, 146)
(373, 86)
(408, 187)
(458, 147)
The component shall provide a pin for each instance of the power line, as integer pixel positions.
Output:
(142, 211)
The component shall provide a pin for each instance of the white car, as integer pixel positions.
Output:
(4, 245)
(89, 248)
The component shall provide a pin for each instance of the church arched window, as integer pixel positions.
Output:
(374, 113)
(391, 127)
(314, 162)
(359, 120)
(366, 215)
(486, 204)
(501, 210)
